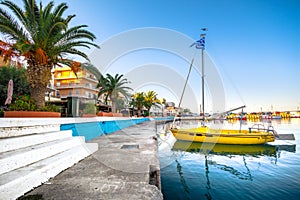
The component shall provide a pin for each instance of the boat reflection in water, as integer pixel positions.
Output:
(225, 149)
(214, 155)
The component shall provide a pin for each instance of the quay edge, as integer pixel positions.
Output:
(125, 166)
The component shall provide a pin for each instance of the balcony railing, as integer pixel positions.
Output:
(75, 86)
(72, 77)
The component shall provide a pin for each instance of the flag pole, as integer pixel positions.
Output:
(202, 36)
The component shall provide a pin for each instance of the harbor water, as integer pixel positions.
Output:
(201, 171)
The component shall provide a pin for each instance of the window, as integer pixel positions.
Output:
(57, 84)
(65, 74)
(70, 92)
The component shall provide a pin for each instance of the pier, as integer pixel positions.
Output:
(125, 166)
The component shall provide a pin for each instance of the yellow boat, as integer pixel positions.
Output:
(255, 135)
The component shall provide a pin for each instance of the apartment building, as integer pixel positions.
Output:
(67, 84)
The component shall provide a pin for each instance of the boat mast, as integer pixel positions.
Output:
(202, 40)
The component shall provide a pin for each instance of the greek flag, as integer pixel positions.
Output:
(199, 44)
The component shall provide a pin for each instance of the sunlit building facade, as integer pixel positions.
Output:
(67, 84)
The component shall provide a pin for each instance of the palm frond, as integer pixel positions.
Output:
(16, 10)
(10, 27)
(91, 68)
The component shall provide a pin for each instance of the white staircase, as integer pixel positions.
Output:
(33, 155)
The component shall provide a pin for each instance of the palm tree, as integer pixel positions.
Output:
(138, 101)
(151, 100)
(112, 87)
(91, 68)
(163, 103)
(42, 36)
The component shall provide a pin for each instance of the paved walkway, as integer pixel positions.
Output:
(126, 167)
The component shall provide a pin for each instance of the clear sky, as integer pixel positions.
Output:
(254, 44)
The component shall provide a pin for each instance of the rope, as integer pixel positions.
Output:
(186, 80)
(184, 87)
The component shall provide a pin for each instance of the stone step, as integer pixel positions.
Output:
(8, 144)
(15, 183)
(24, 156)
(13, 131)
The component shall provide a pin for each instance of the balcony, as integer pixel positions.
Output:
(75, 86)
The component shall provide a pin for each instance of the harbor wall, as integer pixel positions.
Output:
(50, 141)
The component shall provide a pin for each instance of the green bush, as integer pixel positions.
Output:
(23, 103)
(26, 103)
(89, 108)
(50, 108)
(18, 75)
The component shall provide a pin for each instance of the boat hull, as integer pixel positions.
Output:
(206, 135)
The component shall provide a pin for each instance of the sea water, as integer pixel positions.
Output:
(268, 172)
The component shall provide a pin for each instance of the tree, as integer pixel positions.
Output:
(164, 105)
(18, 75)
(42, 36)
(151, 100)
(187, 110)
(112, 87)
(138, 101)
(120, 104)
(91, 68)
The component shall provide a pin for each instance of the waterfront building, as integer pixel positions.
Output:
(67, 84)
(171, 110)
(77, 89)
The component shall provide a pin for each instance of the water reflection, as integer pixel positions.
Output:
(212, 171)
(229, 151)
(223, 149)
(182, 180)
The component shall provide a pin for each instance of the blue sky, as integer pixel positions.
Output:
(255, 44)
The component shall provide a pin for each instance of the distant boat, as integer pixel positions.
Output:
(266, 115)
(256, 135)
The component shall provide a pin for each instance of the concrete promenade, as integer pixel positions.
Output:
(126, 166)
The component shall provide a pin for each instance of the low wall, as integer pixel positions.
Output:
(94, 129)
(90, 128)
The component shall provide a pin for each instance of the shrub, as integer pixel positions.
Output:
(18, 75)
(23, 103)
(26, 103)
(89, 108)
(50, 108)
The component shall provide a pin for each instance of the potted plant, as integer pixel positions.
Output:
(43, 36)
(89, 110)
(24, 106)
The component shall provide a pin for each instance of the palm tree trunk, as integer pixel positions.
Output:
(139, 111)
(114, 105)
(38, 76)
